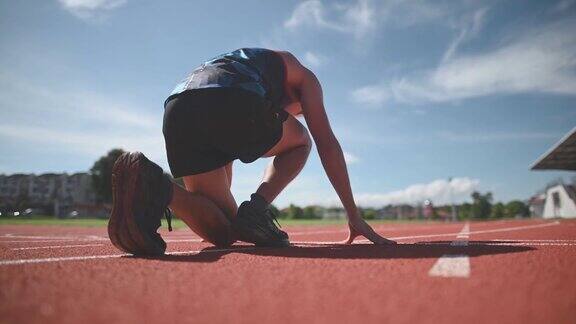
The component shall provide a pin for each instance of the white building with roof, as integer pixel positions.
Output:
(560, 199)
(560, 202)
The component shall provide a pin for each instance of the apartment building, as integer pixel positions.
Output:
(53, 193)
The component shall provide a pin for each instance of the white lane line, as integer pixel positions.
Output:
(114, 256)
(85, 245)
(506, 229)
(498, 244)
(524, 244)
(184, 240)
(102, 238)
(451, 266)
(324, 244)
(462, 237)
(55, 247)
(530, 240)
(43, 237)
(92, 240)
(76, 258)
(40, 241)
(465, 232)
(379, 228)
(52, 241)
(454, 265)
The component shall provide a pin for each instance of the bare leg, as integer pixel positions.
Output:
(206, 206)
(290, 155)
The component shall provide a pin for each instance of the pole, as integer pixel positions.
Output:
(454, 218)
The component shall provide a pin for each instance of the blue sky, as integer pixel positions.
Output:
(417, 92)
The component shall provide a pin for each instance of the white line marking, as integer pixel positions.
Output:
(184, 240)
(462, 237)
(55, 247)
(50, 241)
(95, 237)
(113, 256)
(380, 228)
(76, 258)
(502, 244)
(451, 266)
(297, 243)
(454, 243)
(530, 240)
(66, 237)
(525, 244)
(322, 244)
(506, 229)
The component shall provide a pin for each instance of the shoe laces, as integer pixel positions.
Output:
(168, 215)
(273, 218)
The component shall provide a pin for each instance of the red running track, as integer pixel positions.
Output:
(497, 272)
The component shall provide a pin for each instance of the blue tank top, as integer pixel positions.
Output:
(259, 70)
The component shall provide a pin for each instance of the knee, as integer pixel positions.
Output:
(306, 140)
(222, 241)
(221, 235)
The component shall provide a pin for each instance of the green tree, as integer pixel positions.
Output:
(101, 173)
(294, 212)
(465, 211)
(309, 212)
(368, 213)
(481, 205)
(277, 212)
(498, 210)
(517, 208)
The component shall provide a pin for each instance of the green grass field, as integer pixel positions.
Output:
(176, 223)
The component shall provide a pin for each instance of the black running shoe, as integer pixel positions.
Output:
(257, 226)
(141, 194)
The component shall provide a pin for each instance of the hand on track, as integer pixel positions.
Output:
(359, 227)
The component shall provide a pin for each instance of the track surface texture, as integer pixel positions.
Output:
(515, 271)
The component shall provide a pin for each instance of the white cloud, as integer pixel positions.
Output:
(471, 26)
(357, 18)
(495, 136)
(313, 60)
(350, 158)
(308, 12)
(90, 9)
(362, 17)
(371, 95)
(439, 191)
(74, 121)
(311, 191)
(541, 60)
(92, 142)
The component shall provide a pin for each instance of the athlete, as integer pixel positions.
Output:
(239, 105)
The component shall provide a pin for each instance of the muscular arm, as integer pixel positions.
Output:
(310, 92)
(327, 144)
(329, 150)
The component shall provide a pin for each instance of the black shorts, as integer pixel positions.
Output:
(205, 129)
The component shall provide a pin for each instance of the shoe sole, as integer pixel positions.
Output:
(123, 227)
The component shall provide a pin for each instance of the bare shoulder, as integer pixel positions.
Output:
(296, 72)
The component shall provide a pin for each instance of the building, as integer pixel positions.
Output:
(59, 194)
(334, 213)
(536, 205)
(560, 199)
(560, 202)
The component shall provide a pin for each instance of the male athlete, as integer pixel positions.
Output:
(239, 105)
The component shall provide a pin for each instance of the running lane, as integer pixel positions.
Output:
(518, 272)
